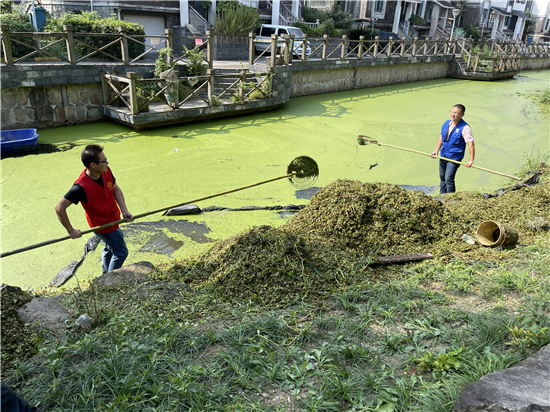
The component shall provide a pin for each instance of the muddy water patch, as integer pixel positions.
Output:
(155, 236)
(307, 193)
(420, 188)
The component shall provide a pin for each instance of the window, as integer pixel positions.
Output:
(547, 25)
(268, 31)
(379, 7)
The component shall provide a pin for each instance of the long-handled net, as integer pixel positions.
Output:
(302, 173)
(363, 140)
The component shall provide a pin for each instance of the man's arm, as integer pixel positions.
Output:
(119, 197)
(472, 150)
(61, 210)
(438, 147)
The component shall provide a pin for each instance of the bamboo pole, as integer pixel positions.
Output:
(138, 216)
(369, 140)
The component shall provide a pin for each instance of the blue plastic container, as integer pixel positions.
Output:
(20, 140)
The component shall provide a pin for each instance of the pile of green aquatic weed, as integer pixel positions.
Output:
(266, 265)
(526, 209)
(379, 217)
(18, 340)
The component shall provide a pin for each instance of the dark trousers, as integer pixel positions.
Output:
(447, 172)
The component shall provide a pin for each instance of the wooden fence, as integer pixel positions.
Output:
(136, 94)
(279, 51)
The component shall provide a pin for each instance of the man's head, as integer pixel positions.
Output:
(93, 157)
(457, 112)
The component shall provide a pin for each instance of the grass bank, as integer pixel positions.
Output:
(299, 319)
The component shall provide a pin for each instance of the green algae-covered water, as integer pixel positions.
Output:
(167, 166)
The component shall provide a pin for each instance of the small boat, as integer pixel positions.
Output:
(20, 140)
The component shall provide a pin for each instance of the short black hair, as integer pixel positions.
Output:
(461, 107)
(91, 154)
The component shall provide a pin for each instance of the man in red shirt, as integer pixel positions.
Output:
(103, 201)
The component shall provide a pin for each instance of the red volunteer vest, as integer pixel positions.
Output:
(102, 207)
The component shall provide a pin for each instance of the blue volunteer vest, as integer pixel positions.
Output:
(455, 147)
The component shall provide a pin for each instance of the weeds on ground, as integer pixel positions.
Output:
(410, 343)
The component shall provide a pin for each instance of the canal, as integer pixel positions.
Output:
(171, 165)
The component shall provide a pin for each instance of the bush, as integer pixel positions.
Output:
(92, 22)
(234, 19)
(341, 20)
(20, 23)
(416, 20)
(355, 33)
(312, 15)
(327, 27)
(472, 31)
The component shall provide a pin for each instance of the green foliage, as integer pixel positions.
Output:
(531, 337)
(311, 15)
(545, 96)
(234, 19)
(416, 20)
(342, 20)
(92, 22)
(6, 7)
(195, 66)
(354, 34)
(472, 31)
(161, 64)
(328, 28)
(530, 24)
(441, 362)
(19, 23)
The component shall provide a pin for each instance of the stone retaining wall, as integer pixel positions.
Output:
(54, 106)
(535, 63)
(57, 94)
(332, 76)
(51, 95)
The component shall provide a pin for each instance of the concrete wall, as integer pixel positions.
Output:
(331, 76)
(535, 63)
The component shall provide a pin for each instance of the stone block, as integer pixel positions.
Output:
(19, 115)
(54, 95)
(9, 98)
(9, 84)
(84, 96)
(59, 113)
(45, 113)
(95, 97)
(80, 111)
(72, 94)
(7, 119)
(93, 113)
(37, 97)
(70, 114)
(33, 74)
(27, 83)
(31, 113)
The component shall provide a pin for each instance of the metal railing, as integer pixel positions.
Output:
(198, 21)
(136, 94)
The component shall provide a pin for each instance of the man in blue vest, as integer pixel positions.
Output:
(103, 200)
(455, 135)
